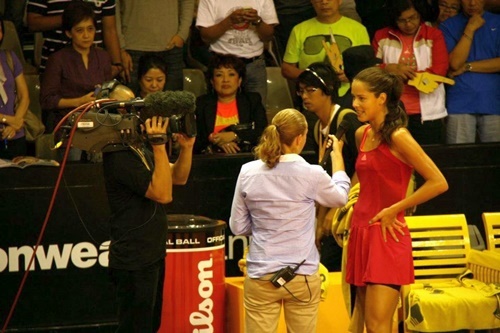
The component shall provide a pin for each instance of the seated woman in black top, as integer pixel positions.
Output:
(151, 74)
(228, 120)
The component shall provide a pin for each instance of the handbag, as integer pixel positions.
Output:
(33, 126)
(245, 146)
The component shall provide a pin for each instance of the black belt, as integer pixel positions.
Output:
(246, 61)
(250, 60)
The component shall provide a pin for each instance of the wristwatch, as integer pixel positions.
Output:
(256, 23)
(468, 67)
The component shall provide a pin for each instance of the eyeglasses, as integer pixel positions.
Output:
(319, 1)
(309, 91)
(451, 8)
(413, 18)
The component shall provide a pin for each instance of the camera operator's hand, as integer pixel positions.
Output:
(156, 125)
(185, 142)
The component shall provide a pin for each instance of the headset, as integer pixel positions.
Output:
(330, 89)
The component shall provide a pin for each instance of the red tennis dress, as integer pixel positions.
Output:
(383, 181)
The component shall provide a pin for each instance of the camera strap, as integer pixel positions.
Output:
(157, 139)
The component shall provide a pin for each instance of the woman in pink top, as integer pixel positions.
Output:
(380, 251)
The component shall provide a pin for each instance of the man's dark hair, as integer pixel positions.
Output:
(331, 83)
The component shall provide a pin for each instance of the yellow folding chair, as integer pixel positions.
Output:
(492, 230)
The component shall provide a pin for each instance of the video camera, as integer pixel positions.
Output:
(112, 125)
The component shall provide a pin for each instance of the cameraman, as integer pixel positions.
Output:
(138, 183)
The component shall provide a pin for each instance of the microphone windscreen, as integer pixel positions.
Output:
(344, 126)
(168, 103)
(181, 102)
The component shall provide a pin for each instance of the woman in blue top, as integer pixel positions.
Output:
(12, 85)
(274, 202)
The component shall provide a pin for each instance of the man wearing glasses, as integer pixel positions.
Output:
(308, 39)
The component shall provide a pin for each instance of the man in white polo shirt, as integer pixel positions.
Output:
(240, 28)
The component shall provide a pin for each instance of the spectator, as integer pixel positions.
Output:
(274, 203)
(379, 253)
(409, 46)
(492, 6)
(165, 38)
(240, 28)
(318, 89)
(305, 45)
(12, 86)
(446, 9)
(356, 59)
(290, 13)
(151, 74)
(46, 16)
(74, 72)
(473, 42)
(348, 9)
(197, 53)
(14, 11)
(373, 14)
(228, 119)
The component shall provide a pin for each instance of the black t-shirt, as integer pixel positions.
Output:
(349, 151)
(138, 224)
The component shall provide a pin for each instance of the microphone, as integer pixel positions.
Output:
(137, 102)
(160, 103)
(341, 130)
(177, 106)
(169, 103)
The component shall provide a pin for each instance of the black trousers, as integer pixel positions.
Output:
(331, 254)
(12, 148)
(139, 294)
(426, 133)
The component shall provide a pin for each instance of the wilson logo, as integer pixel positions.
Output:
(204, 317)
